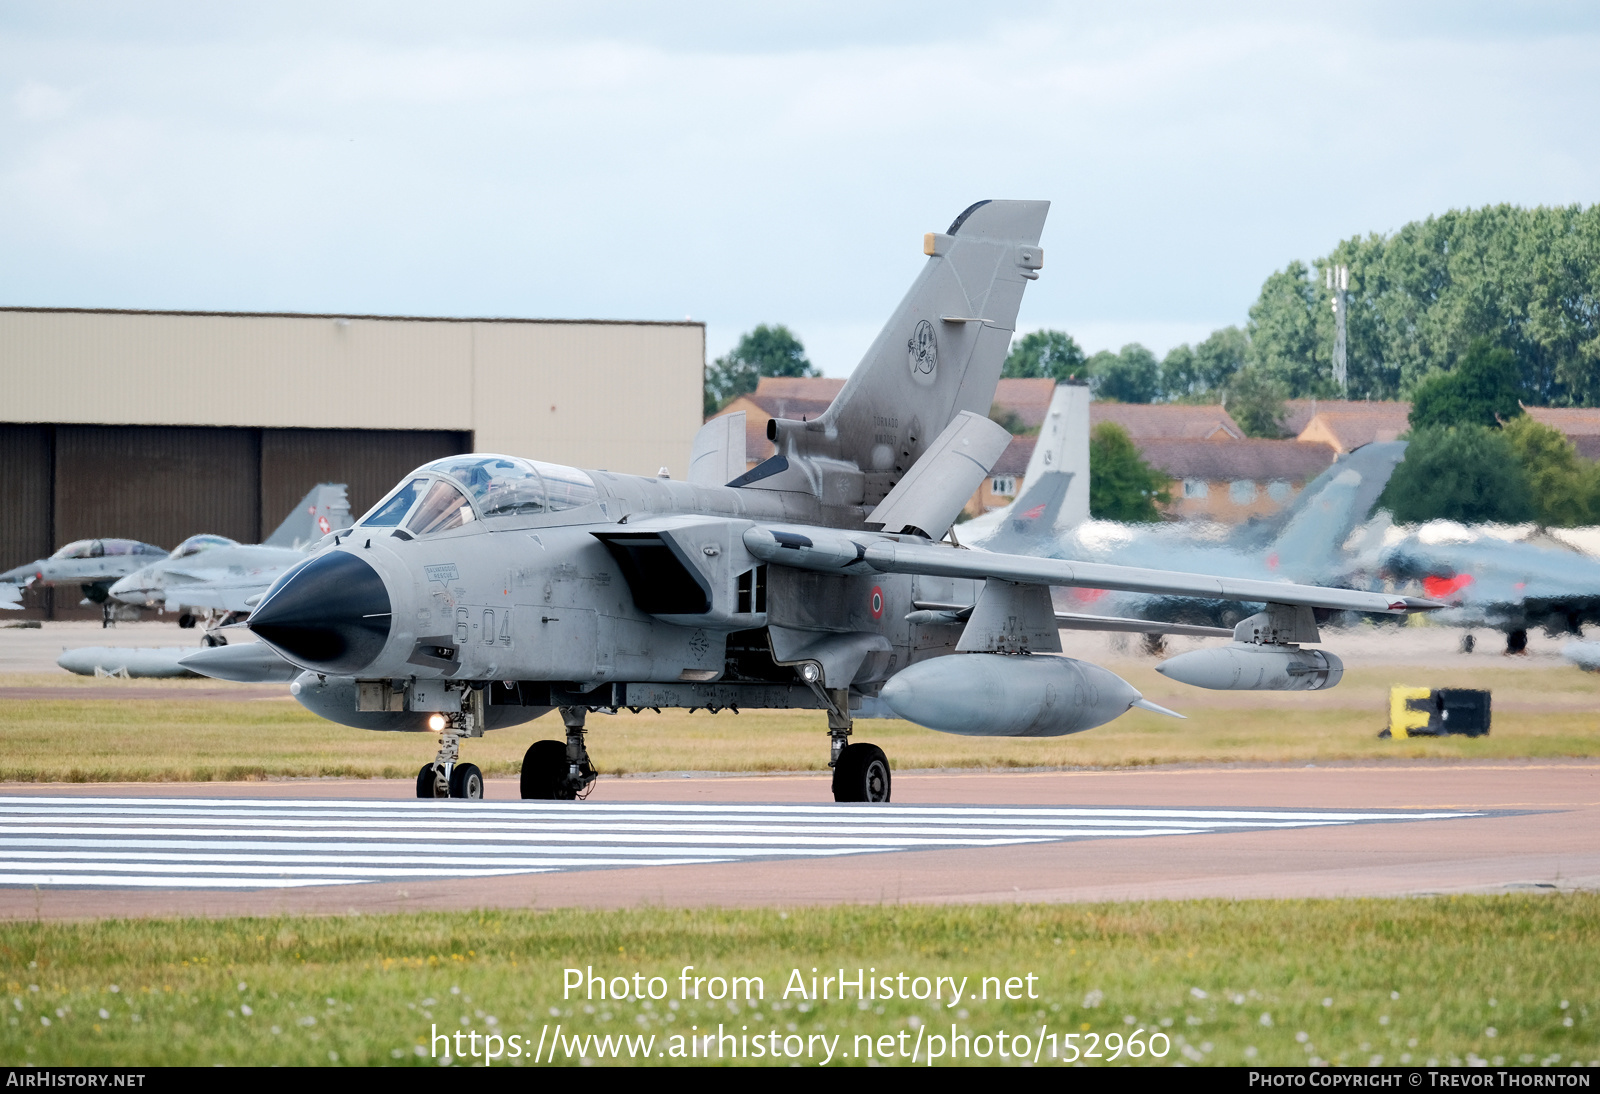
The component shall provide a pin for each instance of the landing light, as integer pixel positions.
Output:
(436, 722)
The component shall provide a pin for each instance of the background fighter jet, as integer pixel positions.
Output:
(487, 585)
(91, 564)
(220, 578)
(1490, 582)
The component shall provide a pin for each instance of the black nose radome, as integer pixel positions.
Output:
(332, 613)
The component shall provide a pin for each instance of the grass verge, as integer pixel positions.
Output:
(1504, 979)
(174, 738)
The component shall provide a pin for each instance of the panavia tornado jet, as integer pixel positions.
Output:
(485, 590)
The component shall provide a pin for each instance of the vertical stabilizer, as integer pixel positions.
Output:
(941, 351)
(1310, 543)
(1063, 446)
(325, 509)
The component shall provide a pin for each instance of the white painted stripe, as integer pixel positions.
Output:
(246, 843)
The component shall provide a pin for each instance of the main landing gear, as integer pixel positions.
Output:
(860, 771)
(553, 771)
(1516, 641)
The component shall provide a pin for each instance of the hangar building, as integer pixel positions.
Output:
(157, 425)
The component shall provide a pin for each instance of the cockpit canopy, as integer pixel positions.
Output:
(195, 544)
(100, 548)
(457, 490)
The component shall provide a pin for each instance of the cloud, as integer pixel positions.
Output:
(621, 160)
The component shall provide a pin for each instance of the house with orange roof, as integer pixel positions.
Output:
(1345, 425)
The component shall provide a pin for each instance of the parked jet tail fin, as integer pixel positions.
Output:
(1030, 521)
(1308, 538)
(325, 508)
(1063, 446)
(941, 351)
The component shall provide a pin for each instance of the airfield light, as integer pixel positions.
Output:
(436, 722)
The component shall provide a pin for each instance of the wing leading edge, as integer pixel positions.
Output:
(829, 550)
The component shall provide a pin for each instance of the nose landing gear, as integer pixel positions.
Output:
(445, 777)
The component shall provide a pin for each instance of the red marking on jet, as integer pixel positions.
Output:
(1437, 588)
(1035, 513)
(1272, 561)
(877, 602)
(322, 523)
(1088, 596)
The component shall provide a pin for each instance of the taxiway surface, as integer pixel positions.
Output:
(1132, 834)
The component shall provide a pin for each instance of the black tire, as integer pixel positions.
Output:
(212, 641)
(185, 621)
(861, 775)
(544, 772)
(466, 781)
(1468, 643)
(1517, 641)
(425, 781)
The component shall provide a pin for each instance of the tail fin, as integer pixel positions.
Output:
(942, 349)
(324, 510)
(1311, 532)
(1030, 522)
(1063, 446)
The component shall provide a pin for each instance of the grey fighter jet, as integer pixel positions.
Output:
(487, 589)
(91, 564)
(220, 579)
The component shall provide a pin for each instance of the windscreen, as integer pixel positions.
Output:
(191, 546)
(78, 548)
(442, 508)
(390, 513)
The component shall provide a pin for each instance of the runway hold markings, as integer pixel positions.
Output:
(232, 843)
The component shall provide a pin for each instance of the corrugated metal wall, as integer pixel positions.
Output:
(158, 484)
(369, 462)
(25, 525)
(161, 484)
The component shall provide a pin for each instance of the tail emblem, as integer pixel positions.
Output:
(922, 353)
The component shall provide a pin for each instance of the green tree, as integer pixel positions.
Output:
(765, 351)
(1132, 375)
(1563, 487)
(1467, 473)
(1255, 400)
(1482, 388)
(1121, 485)
(1202, 373)
(1526, 279)
(1045, 354)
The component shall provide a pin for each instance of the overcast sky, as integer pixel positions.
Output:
(743, 163)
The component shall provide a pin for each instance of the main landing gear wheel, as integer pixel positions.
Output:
(1517, 641)
(214, 640)
(185, 621)
(861, 774)
(544, 772)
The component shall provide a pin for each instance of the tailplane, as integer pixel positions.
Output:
(325, 509)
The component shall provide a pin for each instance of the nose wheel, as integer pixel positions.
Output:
(461, 781)
(445, 777)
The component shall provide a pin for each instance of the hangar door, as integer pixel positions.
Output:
(161, 484)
